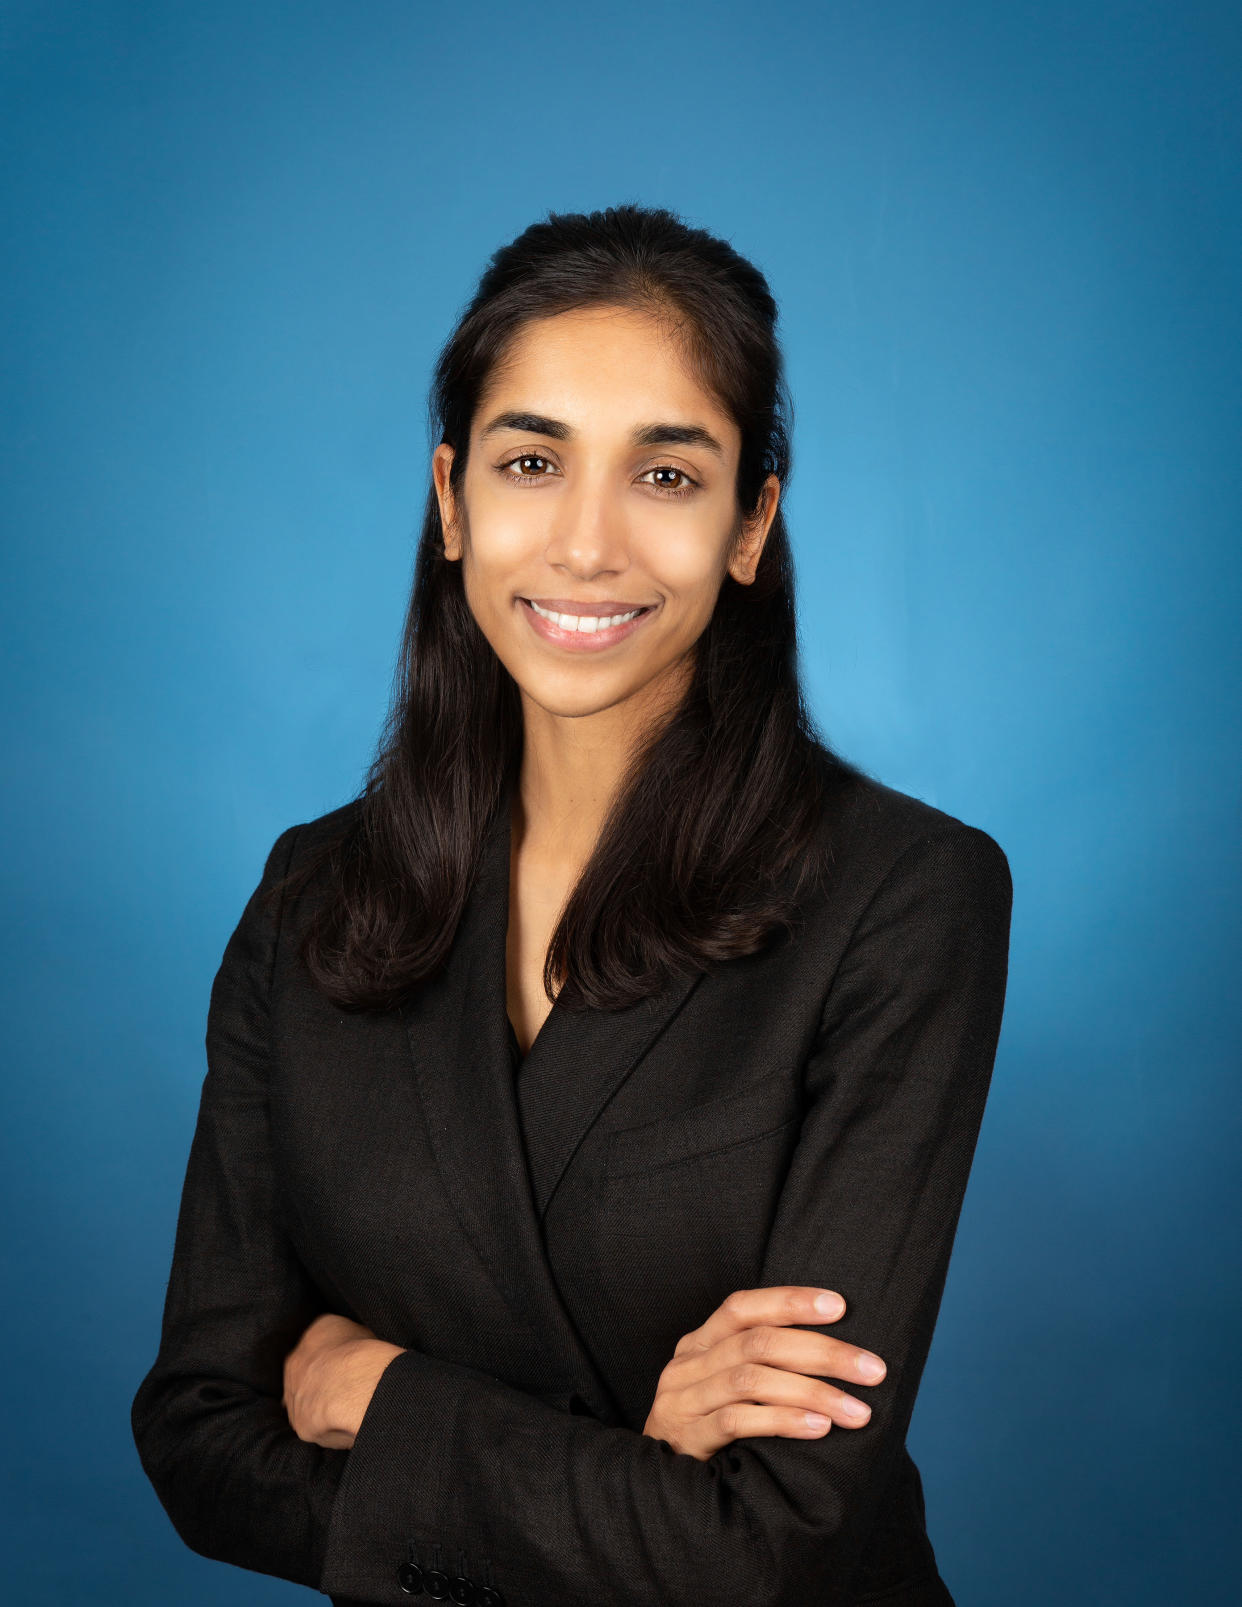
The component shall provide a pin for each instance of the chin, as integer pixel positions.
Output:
(575, 703)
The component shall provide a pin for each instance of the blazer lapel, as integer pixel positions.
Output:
(501, 1149)
(575, 1065)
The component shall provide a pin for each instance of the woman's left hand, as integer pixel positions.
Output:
(330, 1376)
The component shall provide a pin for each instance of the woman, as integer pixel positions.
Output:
(567, 1087)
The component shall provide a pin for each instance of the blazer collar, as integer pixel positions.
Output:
(502, 1147)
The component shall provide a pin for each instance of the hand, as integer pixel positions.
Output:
(743, 1373)
(330, 1376)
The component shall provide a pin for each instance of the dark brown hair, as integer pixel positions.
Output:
(717, 828)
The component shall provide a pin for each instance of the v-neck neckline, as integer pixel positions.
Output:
(515, 1047)
(503, 871)
(458, 1031)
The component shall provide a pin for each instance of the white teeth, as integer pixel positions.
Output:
(584, 622)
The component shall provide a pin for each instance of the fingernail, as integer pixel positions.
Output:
(816, 1420)
(829, 1304)
(853, 1408)
(871, 1367)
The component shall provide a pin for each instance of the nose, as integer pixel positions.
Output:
(588, 534)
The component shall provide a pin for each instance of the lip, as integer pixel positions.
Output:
(567, 605)
(584, 641)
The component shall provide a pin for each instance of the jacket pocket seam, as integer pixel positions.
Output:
(618, 1167)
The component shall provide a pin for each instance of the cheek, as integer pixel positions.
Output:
(503, 536)
(497, 552)
(686, 560)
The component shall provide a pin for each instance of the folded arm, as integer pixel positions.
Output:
(563, 1507)
(556, 1508)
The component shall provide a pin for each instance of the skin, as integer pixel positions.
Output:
(595, 521)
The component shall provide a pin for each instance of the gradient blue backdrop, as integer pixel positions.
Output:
(1006, 244)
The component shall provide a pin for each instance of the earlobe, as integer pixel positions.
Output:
(448, 535)
(743, 567)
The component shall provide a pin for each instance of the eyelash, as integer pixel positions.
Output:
(688, 489)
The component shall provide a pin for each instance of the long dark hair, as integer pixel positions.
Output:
(717, 827)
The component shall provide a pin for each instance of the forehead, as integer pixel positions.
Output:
(603, 369)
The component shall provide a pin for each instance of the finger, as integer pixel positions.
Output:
(797, 1350)
(750, 1384)
(745, 1308)
(743, 1421)
(748, 1328)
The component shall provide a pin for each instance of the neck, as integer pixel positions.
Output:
(570, 773)
(572, 768)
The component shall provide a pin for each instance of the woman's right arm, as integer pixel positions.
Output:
(212, 1434)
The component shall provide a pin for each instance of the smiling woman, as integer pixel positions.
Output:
(601, 513)
(617, 1040)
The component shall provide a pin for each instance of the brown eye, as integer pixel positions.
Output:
(528, 476)
(684, 490)
(524, 459)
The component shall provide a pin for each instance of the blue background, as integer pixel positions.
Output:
(1006, 244)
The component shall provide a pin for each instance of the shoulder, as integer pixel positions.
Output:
(916, 906)
(891, 823)
(312, 835)
(876, 836)
(300, 849)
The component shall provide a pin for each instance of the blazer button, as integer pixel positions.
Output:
(410, 1578)
(436, 1584)
(489, 1596)
(462, 1590)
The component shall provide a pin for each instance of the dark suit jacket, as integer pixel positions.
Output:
(807, 1115)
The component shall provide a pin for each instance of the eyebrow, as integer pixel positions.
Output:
(642, 435)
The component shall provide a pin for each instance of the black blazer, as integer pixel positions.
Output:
(807, 1115)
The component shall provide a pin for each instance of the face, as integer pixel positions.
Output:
(574, 510)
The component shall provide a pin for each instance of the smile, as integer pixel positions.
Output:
(583, 632)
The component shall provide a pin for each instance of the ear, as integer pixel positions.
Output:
(745, 561)
(441, 464)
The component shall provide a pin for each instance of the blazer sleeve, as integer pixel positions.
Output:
(563, 1509)
(208, 1421)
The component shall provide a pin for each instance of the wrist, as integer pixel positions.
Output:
(359, 1365)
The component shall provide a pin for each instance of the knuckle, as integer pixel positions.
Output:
(744, 1378)
(735, 1303)
(757, 1343)
(727, 1421)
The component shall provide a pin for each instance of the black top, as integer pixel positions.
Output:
(515, 1048)
(535, 1245)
